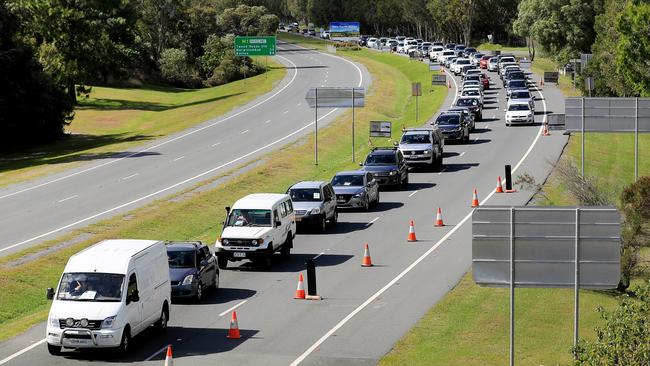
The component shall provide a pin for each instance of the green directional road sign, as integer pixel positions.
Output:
(255, 46)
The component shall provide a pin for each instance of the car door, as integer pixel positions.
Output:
(203, 271)
(372, 188)
(328, 204)
(133, 306)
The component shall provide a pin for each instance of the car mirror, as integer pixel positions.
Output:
(505, 110)
(49, 293)
(360, 164)
(203, 263)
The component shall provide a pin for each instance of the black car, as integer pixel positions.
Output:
(363, 41)
(513, 75)
(453, 126)
(192, 269)
(387, 166)
(469, 50)
(473, 104)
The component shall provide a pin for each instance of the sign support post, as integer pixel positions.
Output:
(636, 139)
(512, 286)
(582, 136)
(576, 306)
(316, 125)
(353, 125)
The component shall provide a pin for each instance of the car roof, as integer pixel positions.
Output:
(511, 102)
(309, 184)
(417, 131)
(351, 172)
(182, 245)
(390, 151)
(260, 200)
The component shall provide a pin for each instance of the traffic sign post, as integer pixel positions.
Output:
(416, 91)
(255, 46)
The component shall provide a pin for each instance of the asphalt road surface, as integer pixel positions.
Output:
(45, 208)
(364, 310)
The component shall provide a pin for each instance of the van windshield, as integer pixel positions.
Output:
(100, 287)
(249, 217)
(420, 138)
(305, 195)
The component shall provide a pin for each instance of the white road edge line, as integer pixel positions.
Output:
(413, 194)
(68, 198)
(267, 121)
(216, 144)
(463, 153)
(157, 353)
(372, 221)
(293, 78)
(233, 308)
(26, 349)
(179, 158)
(130, 176)
(244, 131)
(408, 269)
(183, 182)
(319, 254)
(191, 178)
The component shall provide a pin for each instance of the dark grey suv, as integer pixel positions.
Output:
(314, 204)
(387, 166)
(192, 269)
(355, 189)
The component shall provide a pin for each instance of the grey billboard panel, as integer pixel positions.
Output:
(607, 114)
(335, 97)
(544, 246)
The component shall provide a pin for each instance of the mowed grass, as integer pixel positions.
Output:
(497, 46)
(116, 119)
(197, 214)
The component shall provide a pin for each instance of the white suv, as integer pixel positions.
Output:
(256, 227)
(519, 113)
(457, 66)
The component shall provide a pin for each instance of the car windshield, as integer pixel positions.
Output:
(471, 77)
(520, 95)
(466, 102)
(517, 84)
(471, 92)
(347, 180)
(380, 159)
(448, 119)
(100, 287)
(305, 195)
(462, 62)
(181, 258)
(249, 217)
(420, 138)
(519, 107)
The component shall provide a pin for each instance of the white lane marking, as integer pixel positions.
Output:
(442, 170)
(216, 144)
(461, 154)
(319, 254)
(169, 187)
(130, 176)
(372, 221)
(475, 139)
(26, 349)
(233, 308)
(299, 104)
(293, 78)
(408, 269)
(413, 194)
(178, 184)
(244, 131)
(69, 198)
(157, 353)
(285, 112)
(267, 121)
(179, 158)
(487, 125)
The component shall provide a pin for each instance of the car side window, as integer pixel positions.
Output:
(200, 256)
(283, 210)
(326, 194)
(206, 252)
(132, 287)
(275, 215)
(289, 206)
(331, 189)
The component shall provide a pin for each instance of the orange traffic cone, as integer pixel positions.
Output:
(439, 218)
(545, 131)
(233, 333)
(442, 68)
(499, 186)
(448, 84)
(300, 291)
(169, 361)
(541, 81)
(367, 262)
(475, 199)
(411, 236)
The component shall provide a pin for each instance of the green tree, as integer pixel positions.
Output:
(176, 68)
(623, 339)
(33, 109)
(82, 41)
(163, 24)
(247, 20)
(634, 46)
(298, 9)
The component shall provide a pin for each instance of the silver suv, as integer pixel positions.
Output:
(314, 204)
(422, 146)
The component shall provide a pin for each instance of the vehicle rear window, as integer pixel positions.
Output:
(448, 119)
(519, 107)
(181, 258)
(466, 102)
(462, 62)
(347, 180)
(517, 84)
(380, 159)
(305, 195)
(520, 95)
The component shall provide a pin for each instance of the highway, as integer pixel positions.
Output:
(48, 207)
(364, 311)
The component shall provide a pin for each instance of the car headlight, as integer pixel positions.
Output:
(54, 321)
(427, 151)
(315, 210)
(188, 280)
(108, 322)
(224, 242)
(394, 172)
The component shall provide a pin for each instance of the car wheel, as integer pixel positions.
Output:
(125, 344)
(405, 182)
(215, 284)
(285, 252)
(439, 162)
(366, 203)
(323, 224)
(268, 259)
(222, 262)
(54, 350)
(199, 292)
(335, 218)
(161, 324)
(377, 199)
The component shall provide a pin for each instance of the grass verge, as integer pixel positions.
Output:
(194, 213)
(115, 119)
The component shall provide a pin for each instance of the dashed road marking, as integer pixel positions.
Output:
(463, 153)
(216, 144)
(413, 194)
(233, 308)
(68, 198)
(244, 131)
(267, 121)
(130, 176)
(179, 158)
(319, 254)
(372, 221)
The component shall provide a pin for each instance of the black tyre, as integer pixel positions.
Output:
(335, 218)
(54, 350)
(366, 203)
(222, 262)
(439, 162)
(125, 344)
(285, 252)
(322, 225)
(406, 180)
(199, 293)
(161, 324)
(377, 199)
(215, 284)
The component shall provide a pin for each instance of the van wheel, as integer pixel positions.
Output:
(125, 344)
(161, 324)
(323, 224)
(268, 260)
(54, 350)
(285, 252)
(222, 262)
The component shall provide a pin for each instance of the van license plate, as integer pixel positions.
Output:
(76, 342)
(239, 255)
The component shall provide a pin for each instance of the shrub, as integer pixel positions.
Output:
(176, 69)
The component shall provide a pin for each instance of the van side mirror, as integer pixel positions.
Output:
(277, 223)
(49, 293)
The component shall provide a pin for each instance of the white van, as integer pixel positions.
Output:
(257, 226)
(109, 293)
